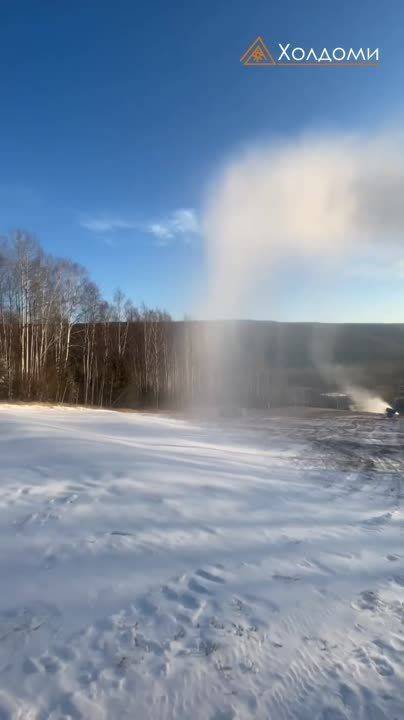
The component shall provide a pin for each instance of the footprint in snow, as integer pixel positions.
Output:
(285, 578)
(197, 587)
(369, 600)
(29, 667)
(50, 664)
(350, 699)
(189, 601)
(377, 522)
(210, 576)
(382, 666)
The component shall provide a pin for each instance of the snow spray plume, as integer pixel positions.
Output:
(323, 343)
(314, 197)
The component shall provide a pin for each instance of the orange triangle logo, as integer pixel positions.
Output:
(257, 54)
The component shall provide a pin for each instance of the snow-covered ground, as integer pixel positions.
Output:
(156, 568)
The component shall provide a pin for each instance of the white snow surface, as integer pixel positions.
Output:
(157, 568)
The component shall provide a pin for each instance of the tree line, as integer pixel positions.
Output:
(61, 341)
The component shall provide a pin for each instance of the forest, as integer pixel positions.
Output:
(62, 342)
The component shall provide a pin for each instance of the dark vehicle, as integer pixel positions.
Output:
(397, 408)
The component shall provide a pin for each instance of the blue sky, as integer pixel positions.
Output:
(115, 116)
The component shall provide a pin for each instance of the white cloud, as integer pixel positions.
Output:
(179, 224)
(185, 221)
(105, 225)
(160, 231)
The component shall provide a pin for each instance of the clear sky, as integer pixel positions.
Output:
(115, 115)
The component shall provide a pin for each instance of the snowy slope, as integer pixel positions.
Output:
(155, 568)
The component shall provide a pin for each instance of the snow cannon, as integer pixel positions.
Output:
(396, 409)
